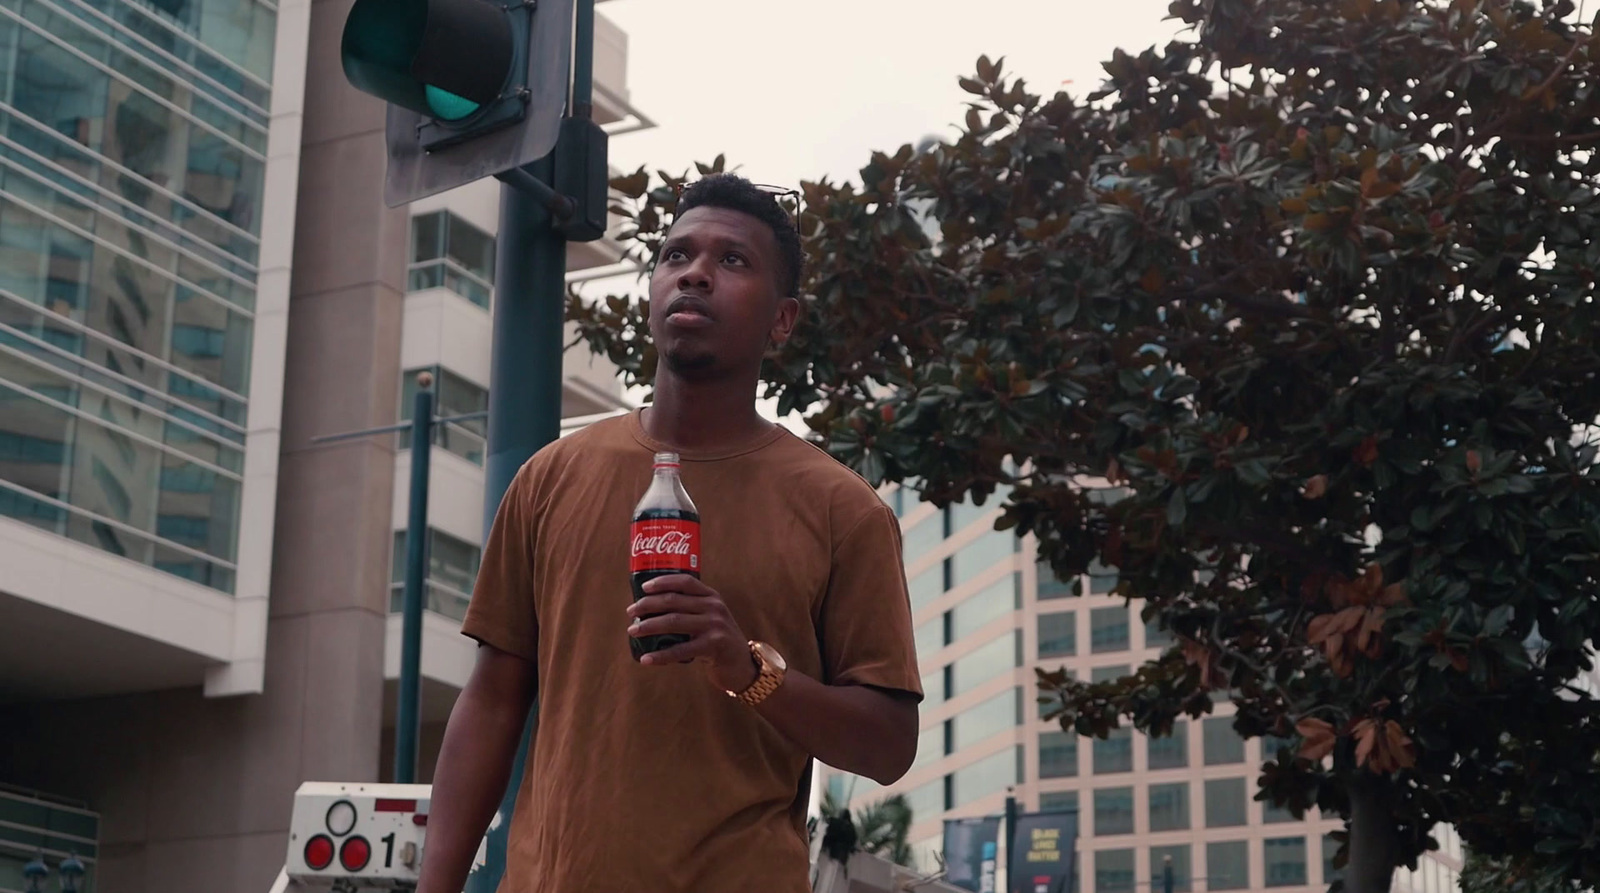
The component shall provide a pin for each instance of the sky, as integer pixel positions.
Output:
(800, 90)
(793, 91)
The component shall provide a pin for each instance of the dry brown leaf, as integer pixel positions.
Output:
(1393, 594)
(1368, 640)
(1325, 626)
(1319, 739)
(1474, 462)
(1367, 452)
(1316, 487)
(1114, 472)
(1402, 752)
(1199, 655)
(1366, 734)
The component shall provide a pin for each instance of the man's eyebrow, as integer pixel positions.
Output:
(718, 241)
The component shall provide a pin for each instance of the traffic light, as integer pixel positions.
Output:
(473, 88)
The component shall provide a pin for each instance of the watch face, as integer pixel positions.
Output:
(771, 656)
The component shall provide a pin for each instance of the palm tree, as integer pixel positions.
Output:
(880, 828)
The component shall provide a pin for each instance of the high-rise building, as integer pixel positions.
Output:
(198, 277)
(987, 613)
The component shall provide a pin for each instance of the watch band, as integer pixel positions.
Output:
(767, 681)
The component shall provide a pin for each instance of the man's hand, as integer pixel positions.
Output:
(689, 607)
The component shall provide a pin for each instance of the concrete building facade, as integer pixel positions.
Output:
(198, 277)
(987, 614)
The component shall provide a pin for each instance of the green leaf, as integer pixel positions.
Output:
(1177, 507)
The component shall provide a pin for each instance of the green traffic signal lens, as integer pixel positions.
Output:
(447, 105)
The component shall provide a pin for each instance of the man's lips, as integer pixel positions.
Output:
(688, 310)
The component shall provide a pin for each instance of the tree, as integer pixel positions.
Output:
(1486, 875)
(1292, 324)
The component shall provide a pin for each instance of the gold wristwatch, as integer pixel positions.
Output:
(771, 667)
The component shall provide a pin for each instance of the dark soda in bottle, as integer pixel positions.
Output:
(665, 538)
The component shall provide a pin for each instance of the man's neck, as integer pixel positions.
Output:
(693, 415)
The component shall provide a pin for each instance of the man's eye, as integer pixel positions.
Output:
(734, 259)
(674, 254)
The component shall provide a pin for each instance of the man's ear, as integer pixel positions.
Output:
(783, 325)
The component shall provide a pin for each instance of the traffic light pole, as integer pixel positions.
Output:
(525, 365)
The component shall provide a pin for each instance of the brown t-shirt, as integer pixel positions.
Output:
(649, 778)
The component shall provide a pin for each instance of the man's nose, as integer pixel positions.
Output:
(696, 275)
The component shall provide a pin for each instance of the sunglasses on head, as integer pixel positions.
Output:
(778, 193)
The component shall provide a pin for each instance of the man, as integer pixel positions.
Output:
(679, 773)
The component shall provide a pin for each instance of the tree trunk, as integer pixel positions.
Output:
(1372, 836)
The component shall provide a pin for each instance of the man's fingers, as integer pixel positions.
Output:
(689, 585)
(694, 649)
(671, 603)
(665, 624)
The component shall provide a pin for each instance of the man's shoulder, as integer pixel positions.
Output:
(588, 448)
(818, 477)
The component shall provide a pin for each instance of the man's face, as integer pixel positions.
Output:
(714, 302)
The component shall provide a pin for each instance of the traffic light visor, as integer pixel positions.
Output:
(440, 58)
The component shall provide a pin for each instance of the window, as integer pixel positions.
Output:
(1222, 745)
(925, 587)
(1051, 586)
(1113, 811)
(447, 252)
(991, 717)
(922, 538)
(964, 513)
(1106, 674)
(1058, 634)
(1058, 801)
(1228, 865)
(1276, 815)
(998, 656)
(1169, 807)
(983, 553)
(895, 499)
(1115, 753)
(930, 745)
(452, 567)
(1330, 852)
(1113, 871)
(1102, 579)
(1225, 802)
(1156, 635)
(996, 600)
(1285, 859)
(1058, 755)
(933, 688)
(928, 800)
(929, 637)
(1178, 858)
(989, 775)
(1170, 751)
(1108, 630)
(452, 396)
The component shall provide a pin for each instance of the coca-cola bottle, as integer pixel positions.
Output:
(665, 540)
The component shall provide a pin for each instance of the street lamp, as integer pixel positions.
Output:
(35, 872)
(72, 872)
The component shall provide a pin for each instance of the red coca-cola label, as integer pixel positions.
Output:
(670, 544)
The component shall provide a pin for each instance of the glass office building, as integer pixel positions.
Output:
(986, 614)
(133, 147)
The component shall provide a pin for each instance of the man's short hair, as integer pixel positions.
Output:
(734, 193)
